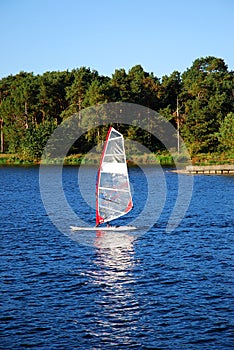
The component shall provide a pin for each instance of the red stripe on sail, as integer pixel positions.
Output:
(99, 220)
(129, 207)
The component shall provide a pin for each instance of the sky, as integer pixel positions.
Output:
(162, 36)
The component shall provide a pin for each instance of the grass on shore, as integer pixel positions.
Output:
(163, 158)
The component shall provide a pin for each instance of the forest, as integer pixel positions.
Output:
(200, 101)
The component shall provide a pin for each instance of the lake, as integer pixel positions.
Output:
(153, 290)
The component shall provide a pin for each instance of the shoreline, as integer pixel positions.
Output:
(219, 166)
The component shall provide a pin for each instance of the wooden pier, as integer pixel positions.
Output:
(210, 169)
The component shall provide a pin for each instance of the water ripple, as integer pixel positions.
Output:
(160, 291)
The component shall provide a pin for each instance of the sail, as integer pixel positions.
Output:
(113, 195)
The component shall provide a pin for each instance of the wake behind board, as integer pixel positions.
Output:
(111, 228)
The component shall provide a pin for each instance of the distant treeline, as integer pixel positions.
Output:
(199, 100)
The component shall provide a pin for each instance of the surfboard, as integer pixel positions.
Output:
(105, 228)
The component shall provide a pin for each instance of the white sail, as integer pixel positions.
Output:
(113, 195)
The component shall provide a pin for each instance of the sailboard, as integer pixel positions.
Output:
(103, 228)
(113, 192)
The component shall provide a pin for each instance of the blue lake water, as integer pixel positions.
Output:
(157, 290)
